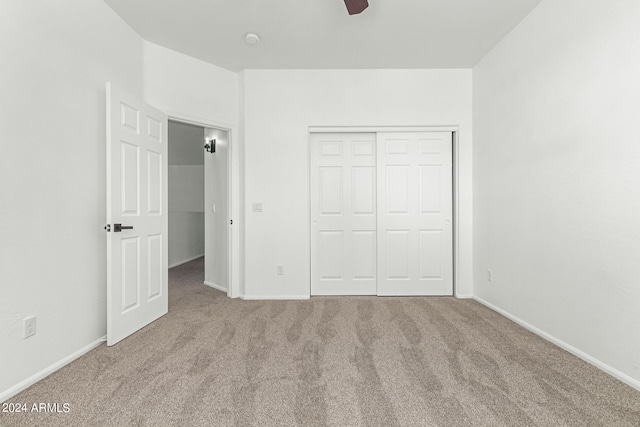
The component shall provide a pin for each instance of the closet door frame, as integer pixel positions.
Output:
(455, 182)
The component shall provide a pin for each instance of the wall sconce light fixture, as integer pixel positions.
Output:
(210, 145)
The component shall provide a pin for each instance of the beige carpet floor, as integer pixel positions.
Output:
(338, 361)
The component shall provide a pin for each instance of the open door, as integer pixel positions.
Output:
(137, 255)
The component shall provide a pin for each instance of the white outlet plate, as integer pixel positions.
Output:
(490, 275)
(29, 326)
(257, 206)
(280, 270)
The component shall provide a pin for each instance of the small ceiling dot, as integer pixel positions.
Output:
(252, 38)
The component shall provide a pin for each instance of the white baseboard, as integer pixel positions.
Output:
(216, 286)
(632, 382)
(274, 297)
(464, 296)
(175, 264)
(8, 394)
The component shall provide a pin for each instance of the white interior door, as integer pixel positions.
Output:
(137, 256)
(343, 214)
(414, 228)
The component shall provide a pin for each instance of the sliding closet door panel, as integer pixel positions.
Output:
(343, 214)
(414, 226)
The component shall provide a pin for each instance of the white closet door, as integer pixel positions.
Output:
(343, 214)
(414, 227)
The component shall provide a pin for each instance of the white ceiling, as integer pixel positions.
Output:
(320, 33)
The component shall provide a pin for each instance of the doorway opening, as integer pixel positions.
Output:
(198, 202)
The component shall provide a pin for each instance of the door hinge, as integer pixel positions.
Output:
(231, 221)
(107, 227)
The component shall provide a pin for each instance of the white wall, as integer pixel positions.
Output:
(216, 271)
(189, 89)
(556, 177)
(239, 155)
(278, 108)
(57, 57)
(186, 192)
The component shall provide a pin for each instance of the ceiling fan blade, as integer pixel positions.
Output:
(356, 6)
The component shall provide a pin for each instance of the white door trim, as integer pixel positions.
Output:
(376, 129)
(456, 183)
(233, 190)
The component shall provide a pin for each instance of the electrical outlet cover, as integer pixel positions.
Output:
(29, 326)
